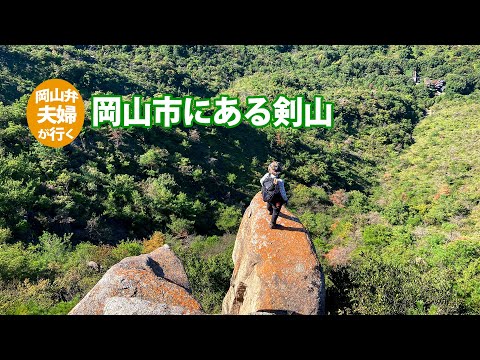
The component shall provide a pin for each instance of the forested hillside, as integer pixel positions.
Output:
(399, 221)
(413, 246)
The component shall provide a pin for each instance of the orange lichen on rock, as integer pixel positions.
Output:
(276, 270)
(149, 284)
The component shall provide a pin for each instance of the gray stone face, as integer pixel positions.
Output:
(134, 306)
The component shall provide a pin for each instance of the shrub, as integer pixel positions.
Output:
(458, 84)
(357, 202)
(154, 158)
(228, 218)
(377, 234)
(231, 178)
(156, 240)
(197, 174)
(339, 198)
(125, 249)
(18, 262)
(469, 287)
(397, 212)
(180, 227)
(54, 248)
(313, 198)
(5, 235)
(383, 286)
(209, 278)
(318, 224)
(200, 243)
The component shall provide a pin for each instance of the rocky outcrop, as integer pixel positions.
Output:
(149, 284)
(276, 271)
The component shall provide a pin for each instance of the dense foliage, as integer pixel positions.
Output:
(413, 246)
(402, 235)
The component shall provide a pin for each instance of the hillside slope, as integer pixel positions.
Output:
(114, 193)
(418, 248)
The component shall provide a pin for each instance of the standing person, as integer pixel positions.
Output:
(273, 191)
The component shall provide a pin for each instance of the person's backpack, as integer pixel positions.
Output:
(269, 188)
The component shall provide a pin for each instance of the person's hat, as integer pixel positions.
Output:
(275, 168)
